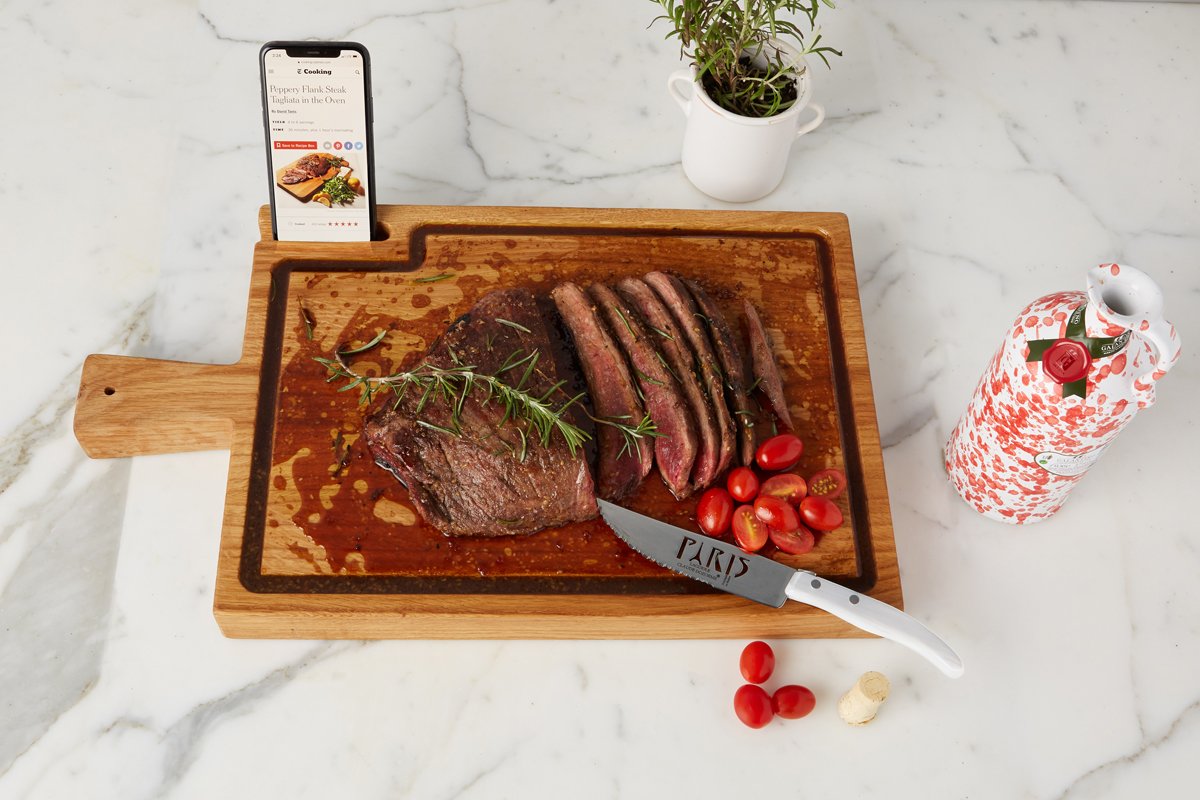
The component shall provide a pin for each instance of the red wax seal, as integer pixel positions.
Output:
(1066, 361)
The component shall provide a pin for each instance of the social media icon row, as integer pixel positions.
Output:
(342, 145)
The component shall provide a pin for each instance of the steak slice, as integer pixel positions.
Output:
(766, 369)
(682, 363)
(733, 366)
(307, 168)
(679, 302)
(675, 445)
(496, 477)
(620, 468)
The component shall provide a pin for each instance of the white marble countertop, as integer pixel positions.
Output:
(985, 152)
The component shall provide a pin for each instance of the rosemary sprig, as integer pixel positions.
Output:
(453, 385)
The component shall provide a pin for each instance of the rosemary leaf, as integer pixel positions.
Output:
(625, 321)
(647, 378)
(512, 324)
(662, 333)
(366, 346)
(308, 320)
(438, 428)
(529, 369)
(433, 278)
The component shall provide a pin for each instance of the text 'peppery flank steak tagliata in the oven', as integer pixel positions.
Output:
(492, 431)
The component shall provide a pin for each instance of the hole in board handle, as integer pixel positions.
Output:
(110, 391)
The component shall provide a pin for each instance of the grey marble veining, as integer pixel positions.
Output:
(985, 152)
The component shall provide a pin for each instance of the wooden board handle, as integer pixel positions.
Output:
(138, 406)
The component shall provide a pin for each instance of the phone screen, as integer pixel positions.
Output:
(318, 139)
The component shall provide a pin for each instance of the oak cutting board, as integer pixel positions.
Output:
(319, 542)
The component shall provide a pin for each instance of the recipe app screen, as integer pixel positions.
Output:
(317, 129)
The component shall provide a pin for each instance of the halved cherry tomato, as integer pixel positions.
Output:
(819, 513)
(779, 452)
(749, 531)
(715, 511)
(752, 705)
(792, 702)
(787, 487)
(743, 484)
(776, 513)
(794, 543)
(757, 662)
(827, 483)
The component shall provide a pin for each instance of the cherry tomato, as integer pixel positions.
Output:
(787, 487)
(827, 483)
(758, 662)
(779, 452)
(776, 513)
(748, 530)
(752, 705)
(792, 702)
(715, 511)
(819, 513)
(743, 484)
(794, 543)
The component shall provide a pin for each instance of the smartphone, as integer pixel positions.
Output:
(320, 152)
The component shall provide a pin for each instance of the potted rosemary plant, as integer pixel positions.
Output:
(750, 86)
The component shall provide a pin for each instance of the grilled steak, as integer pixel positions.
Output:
(496, 476)
(732, 365)
(766, 370)
(675, 445)
(679, 302)
(620, 468)
(311, 166)
(682, 363)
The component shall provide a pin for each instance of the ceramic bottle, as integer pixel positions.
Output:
(1072, 371)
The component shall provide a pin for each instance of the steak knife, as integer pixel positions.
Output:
(731, 569)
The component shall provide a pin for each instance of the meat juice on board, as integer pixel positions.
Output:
(1072, 371)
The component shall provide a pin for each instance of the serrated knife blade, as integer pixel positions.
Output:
(731, 569)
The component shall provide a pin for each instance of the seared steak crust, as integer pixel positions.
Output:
(620, 469)
(682, 362)
(734, 367)
(766, 369)
(679, 302)
(675, 445)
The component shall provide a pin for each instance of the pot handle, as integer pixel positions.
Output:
(811, 125)
(1162, 337)
(685, 75)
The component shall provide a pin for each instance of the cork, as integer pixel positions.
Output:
(859, 705)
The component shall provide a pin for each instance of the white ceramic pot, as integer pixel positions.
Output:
(736, 158)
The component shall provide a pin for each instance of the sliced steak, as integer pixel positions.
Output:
(734, 367)
(766, 369)
(681, 361)
(496, 476)
(679, 302)
(620, 469)
(675, 446)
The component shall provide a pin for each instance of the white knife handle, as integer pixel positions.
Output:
(875, 617)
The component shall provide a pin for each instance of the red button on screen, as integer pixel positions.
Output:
(295, 145)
